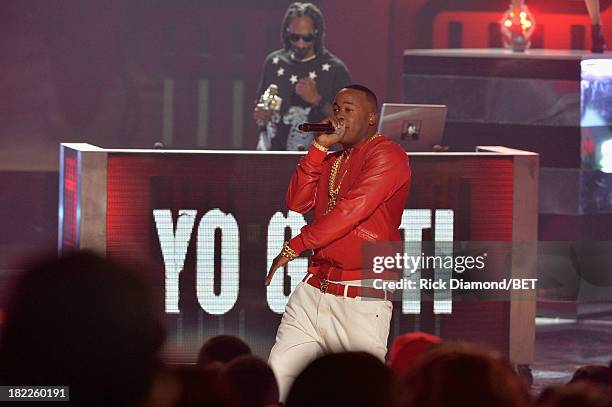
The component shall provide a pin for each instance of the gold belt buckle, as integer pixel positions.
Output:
(324, 285)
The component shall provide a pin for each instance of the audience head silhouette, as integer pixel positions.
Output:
(83, 322)
(457, 374)
(355, 379)
(222, 348)
(251, 382)
(408, 348)
(578, 394)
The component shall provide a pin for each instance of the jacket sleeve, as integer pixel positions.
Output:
(303, 185)
(383, 174)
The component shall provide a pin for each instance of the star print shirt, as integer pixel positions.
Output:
(330, 75)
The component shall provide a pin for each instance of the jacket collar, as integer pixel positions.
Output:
(359, 146)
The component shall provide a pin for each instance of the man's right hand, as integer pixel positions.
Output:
(327, 140)
(262, 114)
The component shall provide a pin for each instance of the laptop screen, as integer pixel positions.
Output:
(414, 127)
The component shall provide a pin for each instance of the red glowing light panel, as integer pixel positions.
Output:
(70, 202)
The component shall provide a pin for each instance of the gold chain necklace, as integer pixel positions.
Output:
(333, 174)
(334, 190)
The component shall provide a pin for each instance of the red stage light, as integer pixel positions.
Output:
(517, 26)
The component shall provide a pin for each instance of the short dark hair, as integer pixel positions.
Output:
(304, 10)
(369, 94)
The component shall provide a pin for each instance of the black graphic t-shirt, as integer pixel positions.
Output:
(328, 72)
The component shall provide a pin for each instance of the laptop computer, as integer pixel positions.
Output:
(414, 127)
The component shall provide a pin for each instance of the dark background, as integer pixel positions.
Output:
(94, 70)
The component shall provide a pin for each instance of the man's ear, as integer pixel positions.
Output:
(372, 119)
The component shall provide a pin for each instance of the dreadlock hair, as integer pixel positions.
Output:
(304, 10)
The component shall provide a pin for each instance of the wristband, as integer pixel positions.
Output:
(288, 252)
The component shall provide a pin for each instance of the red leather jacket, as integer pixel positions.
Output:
(369, 206)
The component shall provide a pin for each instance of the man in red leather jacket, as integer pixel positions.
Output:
(358, 195)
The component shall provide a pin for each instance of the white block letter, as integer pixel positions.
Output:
(230, 262)
(295, 269)
(174, 249)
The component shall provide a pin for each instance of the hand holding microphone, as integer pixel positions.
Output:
(330, 131)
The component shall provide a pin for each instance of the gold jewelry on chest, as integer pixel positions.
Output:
(333, 188)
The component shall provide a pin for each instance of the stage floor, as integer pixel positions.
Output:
(563, 345)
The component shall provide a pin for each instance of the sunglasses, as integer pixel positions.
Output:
(306, 38)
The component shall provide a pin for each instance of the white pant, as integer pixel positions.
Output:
(315, 323)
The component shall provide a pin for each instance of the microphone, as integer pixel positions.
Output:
(317, 127)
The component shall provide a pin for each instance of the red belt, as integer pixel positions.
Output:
(342, 290)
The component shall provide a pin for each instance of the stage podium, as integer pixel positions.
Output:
(203, 226)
